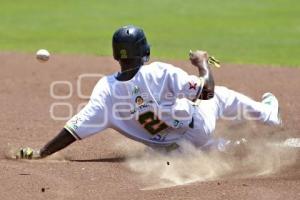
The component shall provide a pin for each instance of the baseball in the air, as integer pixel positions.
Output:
(42, 55)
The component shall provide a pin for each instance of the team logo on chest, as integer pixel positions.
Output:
(135, 90)
(139, 100)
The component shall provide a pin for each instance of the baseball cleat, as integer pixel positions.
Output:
(270, 99)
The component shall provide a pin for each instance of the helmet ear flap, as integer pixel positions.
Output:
(146, 56)
(145, 59)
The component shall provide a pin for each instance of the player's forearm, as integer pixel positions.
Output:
(209, 83)
(62, 140)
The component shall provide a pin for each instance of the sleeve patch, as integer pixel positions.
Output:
(192, 85)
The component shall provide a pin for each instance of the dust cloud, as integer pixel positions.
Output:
(261, 155)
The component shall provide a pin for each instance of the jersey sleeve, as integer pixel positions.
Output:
(183, 85)
(94, 117)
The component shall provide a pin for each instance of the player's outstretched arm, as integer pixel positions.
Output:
(62, 140)
(200, 60)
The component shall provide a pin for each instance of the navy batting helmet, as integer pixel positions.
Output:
(129, 42)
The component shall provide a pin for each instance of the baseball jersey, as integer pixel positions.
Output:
(154, 107)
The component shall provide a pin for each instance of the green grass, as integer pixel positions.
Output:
(236, 31)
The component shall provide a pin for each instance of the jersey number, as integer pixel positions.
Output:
(151, 123)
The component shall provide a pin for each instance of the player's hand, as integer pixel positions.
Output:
(198, 57)
(28, 153)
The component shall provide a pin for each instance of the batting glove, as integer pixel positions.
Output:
(28, 153)
(213, 61)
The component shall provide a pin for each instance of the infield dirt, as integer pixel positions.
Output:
(110, 166)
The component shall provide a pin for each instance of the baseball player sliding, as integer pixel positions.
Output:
(158, 104)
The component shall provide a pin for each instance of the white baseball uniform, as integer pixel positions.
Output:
(156, 107)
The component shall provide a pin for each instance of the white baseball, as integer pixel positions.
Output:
(42, 55)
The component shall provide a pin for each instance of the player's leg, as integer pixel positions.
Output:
(236, 106)
(230, 105)
(204, 124)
